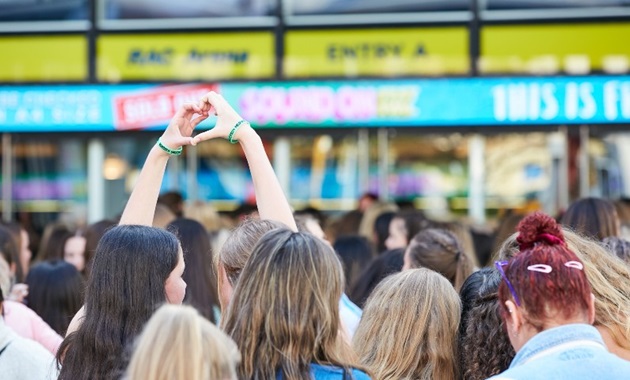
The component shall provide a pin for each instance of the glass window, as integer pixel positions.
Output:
(44, 10)
(49, 175)
(539, 4)
(161, 9)
(323, 7)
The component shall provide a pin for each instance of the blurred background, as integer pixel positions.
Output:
(457, 107)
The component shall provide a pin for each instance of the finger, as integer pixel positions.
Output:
(207, 135)
(182, 141)
(195, 122)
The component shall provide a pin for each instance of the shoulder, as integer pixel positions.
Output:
(360, 375)
(29, 359)
(323, 372)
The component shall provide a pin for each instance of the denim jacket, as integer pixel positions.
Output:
(324, 372)
(574, 352)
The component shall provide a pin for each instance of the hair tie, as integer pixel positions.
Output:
(551, 239)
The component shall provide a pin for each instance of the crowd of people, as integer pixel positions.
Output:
(175, 291)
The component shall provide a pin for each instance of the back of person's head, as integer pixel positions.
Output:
(369, 218)
(179, 344)
(547, 280)
(347, 224)
(619, 247)
(464, 236)
(284, 314)
(403, 227)
(439, 250)
(484, 346)
(199, 275)
(238, 247)
(380, 267)
(381, 230)
(205, 214)
(53, 241)
(409, 327)
(592, 217)
(127, 283)
(163, 216)
(174, 200)
(55, 292)
(607, 276)
(355, 253)
(506, 228)
(11, 253)
(93, 234)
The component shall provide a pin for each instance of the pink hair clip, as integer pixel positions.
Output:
(574, 264)
(542, 268)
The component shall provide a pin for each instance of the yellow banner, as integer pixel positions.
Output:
(578, 48)
(199, 56)
(43, 58)
(376, 52)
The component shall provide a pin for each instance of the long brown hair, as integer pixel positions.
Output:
(439, 250)
(284, 314)
(409, 328)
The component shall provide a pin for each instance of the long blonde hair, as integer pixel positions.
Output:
(284, 313)
(179, 344)
(608, 275)
(409, 328)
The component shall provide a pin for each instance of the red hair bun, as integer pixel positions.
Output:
(539, 228)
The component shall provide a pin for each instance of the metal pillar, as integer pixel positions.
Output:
(383, 164)
(584, 162)
(282, 163)
(96, 182)
(191, 173)
(363, 148)
(563, 198)
(173, 168)
(7, 178)
(477, 176)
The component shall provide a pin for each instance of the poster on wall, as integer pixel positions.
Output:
(185, 57)
(376, 52)
(327, 104)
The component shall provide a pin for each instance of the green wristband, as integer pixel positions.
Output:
(172, 152)
(233, 131)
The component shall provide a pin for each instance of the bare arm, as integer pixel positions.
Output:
(140, 207)
(270, 199)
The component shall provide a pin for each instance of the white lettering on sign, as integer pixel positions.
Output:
(522, 102)
(616, 100)
(579, 101)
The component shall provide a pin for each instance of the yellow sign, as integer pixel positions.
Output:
(575, 48)
(376, 52)
(199, 56)
(43, 58)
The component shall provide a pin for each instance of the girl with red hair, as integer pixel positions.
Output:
(548, 309)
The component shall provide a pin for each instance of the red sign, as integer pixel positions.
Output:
(155, 106)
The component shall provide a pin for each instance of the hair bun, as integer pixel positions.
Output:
(539, 228)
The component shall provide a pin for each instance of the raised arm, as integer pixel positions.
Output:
(270, 199)
(140, 207)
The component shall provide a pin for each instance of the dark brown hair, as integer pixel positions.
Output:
(485, 348)
(439, 250)
(592, 217)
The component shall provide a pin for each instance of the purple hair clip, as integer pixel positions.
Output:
(499, 265)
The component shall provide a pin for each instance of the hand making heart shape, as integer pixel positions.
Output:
(180, 129)
(227, 119)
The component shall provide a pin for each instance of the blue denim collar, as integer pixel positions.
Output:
(555, 336)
